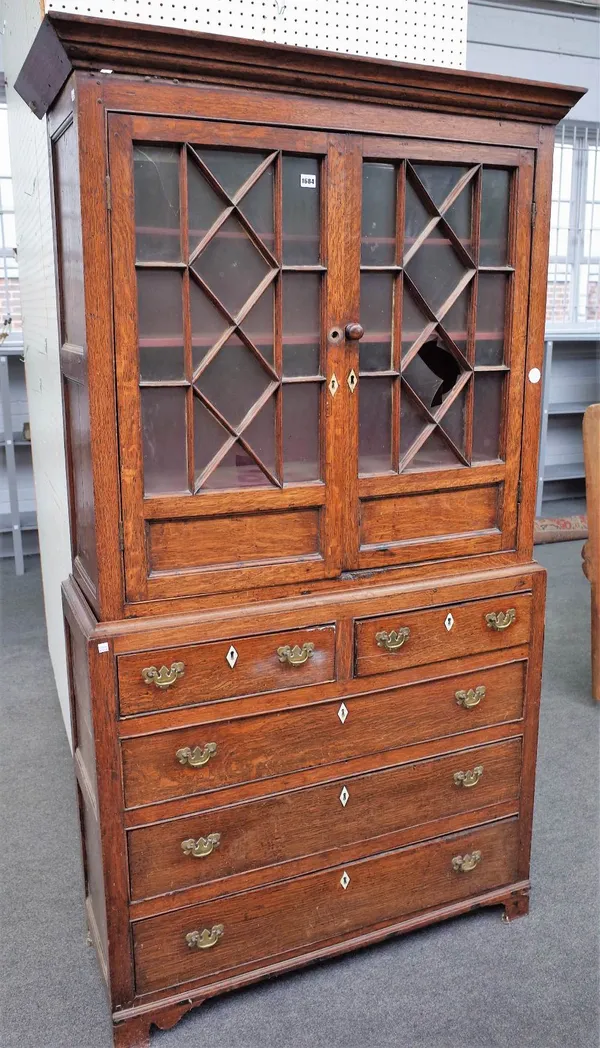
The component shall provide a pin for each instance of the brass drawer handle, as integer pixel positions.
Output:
(466, 863)
(500, 620)
(393, 640)
(202, 847)
(297, 655)
(206, 938)
(197, 757)
(164, 677)
(468, 778)
(472, 697)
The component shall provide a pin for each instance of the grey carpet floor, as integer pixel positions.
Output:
(474, 981)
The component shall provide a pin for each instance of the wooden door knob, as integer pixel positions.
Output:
(354, 332)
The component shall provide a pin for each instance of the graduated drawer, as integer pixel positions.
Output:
(290, 916)
(214, 844)
(266, 745)
(413, 638)
(167, 677)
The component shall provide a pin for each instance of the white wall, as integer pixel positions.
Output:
(539, 40)
(35, 249)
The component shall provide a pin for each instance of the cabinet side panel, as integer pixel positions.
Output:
(84, 757)
(73, 355)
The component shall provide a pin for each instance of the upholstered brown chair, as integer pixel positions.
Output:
(591, 550)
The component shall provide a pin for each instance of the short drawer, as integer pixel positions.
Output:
(169, 677)
(200, 941)
(224, 753)
(215, 844)
(414, 638)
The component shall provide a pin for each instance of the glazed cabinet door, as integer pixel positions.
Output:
(443, 254)
(225, 282)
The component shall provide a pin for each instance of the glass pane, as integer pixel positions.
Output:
(301, 432)
(234, 380)
(455, 321)
(487, 416)
(231, 265)
(439, 181)
(416, 216)
(160, 324)
(156, 180)
(376, 316)
(257, 207)
(491, 303)
(434, 454)
(435, 269)
(258, 323)
(209, 436)
(260, 436)
(412, 422)
(378, 238)
(414, 320)
(204, 204)
(230, 167)
(6, 194)
(432, 373)
(208, 323)
(375, 425)
(301, 211)
(237, 469)
(495, 193)
(301, 323)
(164, 440)
(453, 422)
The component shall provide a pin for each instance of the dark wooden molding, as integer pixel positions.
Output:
(44, 71)
(68, 42)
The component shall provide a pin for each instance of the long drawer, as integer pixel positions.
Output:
(415, 638)
(161, 767)
(168, 677)
(201, 941)
(215, 844)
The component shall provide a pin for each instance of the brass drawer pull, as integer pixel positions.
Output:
(500, 620)
(163, 678)
(206, 938)
(472, 697)
(197, 757)
(468, 778)
(466, 863)
(393, 640)
(202, 847)
(297, 655)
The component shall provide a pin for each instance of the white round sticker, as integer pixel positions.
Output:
(535, 375)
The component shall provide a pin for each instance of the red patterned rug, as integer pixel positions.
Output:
(561, 529)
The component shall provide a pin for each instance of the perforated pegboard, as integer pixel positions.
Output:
(431, 32)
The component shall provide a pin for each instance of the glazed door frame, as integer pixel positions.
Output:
(490, 490)
(306, 515)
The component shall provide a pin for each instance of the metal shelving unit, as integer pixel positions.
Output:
(571, 382)
(18, 527)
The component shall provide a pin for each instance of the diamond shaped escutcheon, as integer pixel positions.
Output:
(344, 797)
(232, 656)
(344, 880)
(449, 621)
(343, 713)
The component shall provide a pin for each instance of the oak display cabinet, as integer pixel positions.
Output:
(302, 307)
